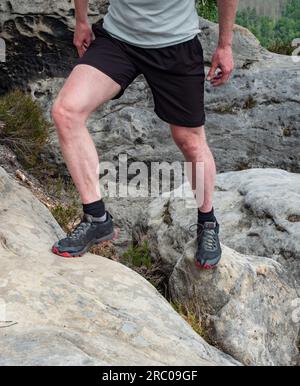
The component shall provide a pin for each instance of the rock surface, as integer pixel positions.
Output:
(263, 205)
(249, 305)
(39, 39)
(248, 300)
(254, 121)
(258, 211)
(80, 312)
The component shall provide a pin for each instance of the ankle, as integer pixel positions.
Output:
(95, 209)
(206, 216)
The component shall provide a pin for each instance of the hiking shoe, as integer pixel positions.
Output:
(209, 250)
(89, 232)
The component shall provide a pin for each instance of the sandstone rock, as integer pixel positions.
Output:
(248, 301)
(39, 39)
(258, 211)
(259, 214)
(80, 312)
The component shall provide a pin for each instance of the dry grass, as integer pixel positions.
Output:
(196, 319)
(67, 216)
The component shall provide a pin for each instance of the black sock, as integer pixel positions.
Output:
(206, 217)
(95, 209)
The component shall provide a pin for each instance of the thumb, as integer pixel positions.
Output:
(212, 71)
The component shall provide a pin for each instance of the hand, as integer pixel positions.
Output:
(221, 67)
(83, 37)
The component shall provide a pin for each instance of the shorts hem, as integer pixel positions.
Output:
(107, 73)
(183, 124)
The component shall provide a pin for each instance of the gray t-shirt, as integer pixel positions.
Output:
(152, 23)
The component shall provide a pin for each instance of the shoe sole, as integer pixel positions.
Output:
(206, 266)
(68, 255)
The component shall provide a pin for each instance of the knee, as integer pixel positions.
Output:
(66, 117)
(191, 141)
(191, 146)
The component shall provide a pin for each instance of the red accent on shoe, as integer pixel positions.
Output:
(55, 250)
(198, 265)
(116, 235)
(205, 267)
(66, 255)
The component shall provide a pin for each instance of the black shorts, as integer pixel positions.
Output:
(175, 74)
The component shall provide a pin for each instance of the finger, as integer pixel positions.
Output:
(215, 81)
(212, 71)
(86, 44)
(223, 75)
(220, 81)
(89, 40)
(218, 75)
(78, 47)
(84, 47)
(81, 51)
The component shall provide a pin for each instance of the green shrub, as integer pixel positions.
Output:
(208, 9)
(23, 127)
(275, 35)
(138, 256)
(280, 47)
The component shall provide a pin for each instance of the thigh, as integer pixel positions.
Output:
(109, 56)
(180, 101)
(103, 73)
(87, 88)
(178, 84)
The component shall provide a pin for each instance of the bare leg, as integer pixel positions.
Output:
(192, 142)
(85, 90)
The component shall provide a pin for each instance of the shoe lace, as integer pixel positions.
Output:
(79, 230)
(207, 236)
(209, 239)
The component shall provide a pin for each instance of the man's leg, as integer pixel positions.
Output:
(193, 144)
(85, 90)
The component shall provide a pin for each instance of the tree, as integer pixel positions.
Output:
(208, 9)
